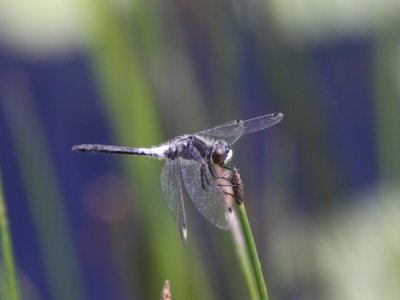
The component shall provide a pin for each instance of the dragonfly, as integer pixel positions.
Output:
(194, 159)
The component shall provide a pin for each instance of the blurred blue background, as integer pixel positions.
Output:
(321, 187)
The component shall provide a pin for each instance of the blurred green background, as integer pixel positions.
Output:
(321, 187)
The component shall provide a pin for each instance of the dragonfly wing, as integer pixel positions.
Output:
(172, 190)
(261, 123)
(229, 132)
(232, 131)
(210, 201)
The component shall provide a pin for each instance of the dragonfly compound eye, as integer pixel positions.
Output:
(221, 153)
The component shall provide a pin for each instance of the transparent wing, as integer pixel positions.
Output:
(172, 190)
(232, 131)
(229, 132)
(210, 203)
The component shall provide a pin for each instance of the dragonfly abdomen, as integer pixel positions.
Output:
(156, 152)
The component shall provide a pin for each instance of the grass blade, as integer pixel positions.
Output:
(252, 251)
(242, 256)
(250, 246)
(7, 256)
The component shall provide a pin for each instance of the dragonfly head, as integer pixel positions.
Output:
(221, 153)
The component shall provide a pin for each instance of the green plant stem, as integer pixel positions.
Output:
(241, 253)
(11, 286)
(252, 251)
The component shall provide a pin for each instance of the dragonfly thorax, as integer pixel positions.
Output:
(221, 153)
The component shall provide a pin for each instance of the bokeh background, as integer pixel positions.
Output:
(321, 187)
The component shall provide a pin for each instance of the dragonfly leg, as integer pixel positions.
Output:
(230, 184)
(214, 172)
(205, 180)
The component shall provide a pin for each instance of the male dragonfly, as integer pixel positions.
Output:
(193, 158)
